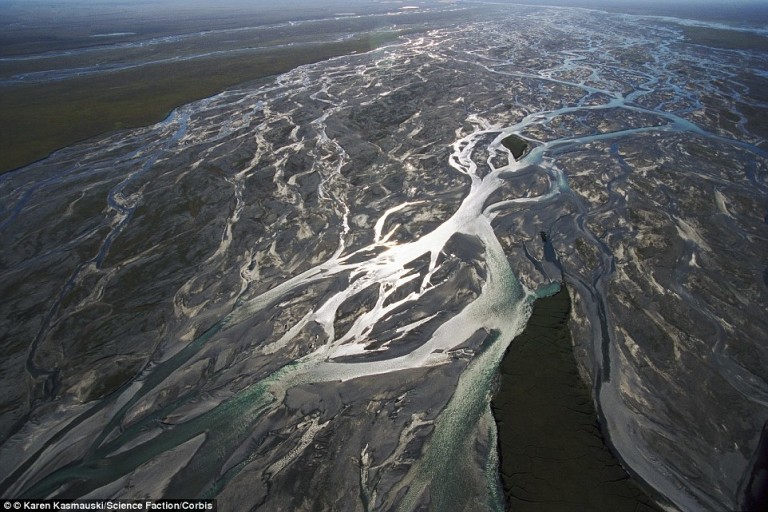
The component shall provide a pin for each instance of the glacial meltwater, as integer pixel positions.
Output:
(296, 294)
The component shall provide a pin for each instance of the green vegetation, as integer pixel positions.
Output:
(552, 452)
(722, 38)
(516, 145)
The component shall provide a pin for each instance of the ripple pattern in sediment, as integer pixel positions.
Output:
(296, 295)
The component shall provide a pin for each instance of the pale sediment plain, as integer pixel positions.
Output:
(296, 295)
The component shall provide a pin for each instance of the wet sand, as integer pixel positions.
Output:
(553, 455)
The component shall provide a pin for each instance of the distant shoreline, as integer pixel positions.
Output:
(711, 10)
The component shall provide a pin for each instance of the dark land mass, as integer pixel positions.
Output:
(553, 455)
(516, 145)
(756, 489)
(722, 38)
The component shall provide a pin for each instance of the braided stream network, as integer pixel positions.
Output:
(299, 292)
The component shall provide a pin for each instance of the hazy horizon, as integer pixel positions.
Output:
(713, 8)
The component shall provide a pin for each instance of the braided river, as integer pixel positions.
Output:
(296, 294)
